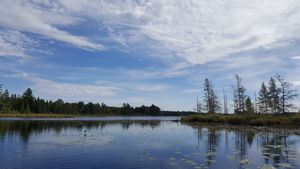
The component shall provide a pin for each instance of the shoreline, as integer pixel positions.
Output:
(274, 120)
(33, 115)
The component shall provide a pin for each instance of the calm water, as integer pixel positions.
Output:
(141, 142)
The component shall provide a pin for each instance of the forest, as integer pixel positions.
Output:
(27, 103)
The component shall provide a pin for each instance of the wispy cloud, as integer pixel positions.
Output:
(296, 57)
(195, 31)
(296, 83)
(14, 44)
(68, 91)
(152, 88)
(31, 17)
(200, 31)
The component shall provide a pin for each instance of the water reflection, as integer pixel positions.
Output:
(277, 147)
(144, 144)
(27, 128)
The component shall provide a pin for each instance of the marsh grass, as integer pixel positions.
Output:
(246, 119)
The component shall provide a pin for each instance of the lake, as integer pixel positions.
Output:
(142, 142)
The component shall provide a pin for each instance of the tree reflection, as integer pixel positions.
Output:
(213, 137)
(26, 128)
(277, 147)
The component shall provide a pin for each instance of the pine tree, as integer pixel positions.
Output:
(210, 99)
(273, 97)
(263, 99)
(249, 106)
(1, 100)
(28, 100)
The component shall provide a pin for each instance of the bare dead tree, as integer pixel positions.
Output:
(287, 95)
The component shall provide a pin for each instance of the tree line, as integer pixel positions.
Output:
(274, 97)
(27, 103)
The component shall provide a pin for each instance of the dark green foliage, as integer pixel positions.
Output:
(273, 97)
(4, 100)
(249, 106)
(263, 99)
(154, 110)
(28, 100)
(28, 104)
(126, 109)
(210, 99)
(1, 100)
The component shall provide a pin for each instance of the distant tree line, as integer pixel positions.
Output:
(27, 103)
(275, 97)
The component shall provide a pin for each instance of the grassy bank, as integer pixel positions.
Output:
(250, 119)
(52, 115)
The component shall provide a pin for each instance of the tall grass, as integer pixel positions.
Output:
(245, 119)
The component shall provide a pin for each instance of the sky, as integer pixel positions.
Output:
(146, 51)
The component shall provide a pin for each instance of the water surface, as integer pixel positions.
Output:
(142, 142)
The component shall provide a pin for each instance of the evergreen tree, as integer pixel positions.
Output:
(273, 97)
(154, 110)
(1, 100)
(263, 99)
(249, 106)
(4, 101)
(28, 100)
(211, 102)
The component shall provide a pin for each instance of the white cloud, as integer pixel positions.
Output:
(199, 31)
(68, 91)
(14, 44)
(296, 83)
(32, 17)
(152, 88)
(296, 57)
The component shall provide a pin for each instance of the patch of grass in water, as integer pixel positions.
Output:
(198, 167)
(172, 163)
(210, 154)
(284, 165)
(267, 166)
(151, 158)
(231, 157)
(211, 161)
(244, 161)
(172, 158)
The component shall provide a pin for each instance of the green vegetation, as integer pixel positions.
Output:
(272, 107)
(212, 104)
(271, 100)
(31, 115)
(246, 119)
(26, 105)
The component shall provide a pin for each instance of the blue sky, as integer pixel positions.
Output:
(145, 52)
